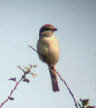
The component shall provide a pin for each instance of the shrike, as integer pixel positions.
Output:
(48, 51)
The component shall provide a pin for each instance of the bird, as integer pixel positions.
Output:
(48, 51)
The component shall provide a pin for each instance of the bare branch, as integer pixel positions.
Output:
(67, 88)
(17, 83)
(61, 80)
(33, 48)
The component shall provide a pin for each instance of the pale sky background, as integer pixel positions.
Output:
(20, 21)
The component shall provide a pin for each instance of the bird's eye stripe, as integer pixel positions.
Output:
(46, 28)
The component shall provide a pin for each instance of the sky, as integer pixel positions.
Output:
(20, 21)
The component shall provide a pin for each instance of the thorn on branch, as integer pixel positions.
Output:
(13, 79)
(11, 98)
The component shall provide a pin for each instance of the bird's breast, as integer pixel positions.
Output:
(48, 46)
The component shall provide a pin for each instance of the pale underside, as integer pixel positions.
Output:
(48, 49)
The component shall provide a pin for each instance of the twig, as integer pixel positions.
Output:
(67, 88)
(17, 83)
(61, 80)
(33, 48)
(10, 94)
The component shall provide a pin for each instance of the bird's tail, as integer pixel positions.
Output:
(54, 80)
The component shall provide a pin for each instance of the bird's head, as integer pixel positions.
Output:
(47, 30)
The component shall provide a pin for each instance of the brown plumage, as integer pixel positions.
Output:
(48, 49)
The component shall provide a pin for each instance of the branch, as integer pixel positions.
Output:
(67, 88)
(17, 83)
(33, 48)
(61, 80)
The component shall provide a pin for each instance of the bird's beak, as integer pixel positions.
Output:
(55, 29)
